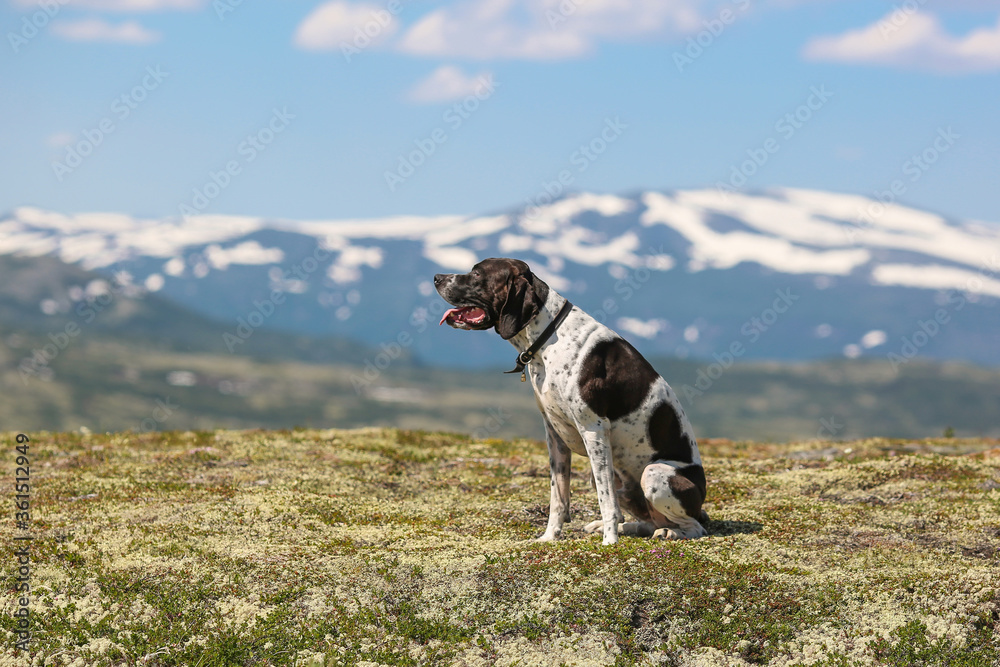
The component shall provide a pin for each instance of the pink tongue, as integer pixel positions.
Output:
(465, 315)
(447, 313)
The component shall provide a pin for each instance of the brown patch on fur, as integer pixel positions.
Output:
(615, 379)
(689, 495)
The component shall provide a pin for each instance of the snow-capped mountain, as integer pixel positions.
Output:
(786, 274)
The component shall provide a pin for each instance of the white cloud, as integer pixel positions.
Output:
(131, 6)
(335, 24)
(970, 5)
(542, 29)
(99, 30)
(911, 40)
(482, 30)
(448, 83)
(628, 18)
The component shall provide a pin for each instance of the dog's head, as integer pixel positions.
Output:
(501, 293)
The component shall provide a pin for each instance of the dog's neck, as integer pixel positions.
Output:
(524, 338)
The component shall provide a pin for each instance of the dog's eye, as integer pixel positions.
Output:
(475, 273)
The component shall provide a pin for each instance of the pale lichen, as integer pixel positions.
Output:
(399, 548)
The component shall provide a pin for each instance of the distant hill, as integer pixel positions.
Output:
(107, 383)
(787, 274)
(45, 296)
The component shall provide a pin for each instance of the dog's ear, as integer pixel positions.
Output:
(520, 306)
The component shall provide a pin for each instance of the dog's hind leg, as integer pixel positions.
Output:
(676, 492)
(560, 457)
(631, 500)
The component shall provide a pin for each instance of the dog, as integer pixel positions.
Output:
(599, 398)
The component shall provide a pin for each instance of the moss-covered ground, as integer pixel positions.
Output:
(388, 547)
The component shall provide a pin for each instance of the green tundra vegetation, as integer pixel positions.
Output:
(393, 547)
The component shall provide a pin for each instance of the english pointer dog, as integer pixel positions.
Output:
(599, 398)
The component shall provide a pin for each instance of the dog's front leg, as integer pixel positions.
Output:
(598, 443)
(559, 473)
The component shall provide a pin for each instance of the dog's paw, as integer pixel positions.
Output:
(680, 533)
(636, 529)
(668, 534)
(594, 526)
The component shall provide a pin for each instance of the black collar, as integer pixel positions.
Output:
(525, 357)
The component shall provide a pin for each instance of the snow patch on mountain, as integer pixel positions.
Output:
(712, 249)
(453, 257)
(409, 227)
(346, 268)
(784, 230)
(648, 329)
(772, 217)
(582, 246)
(466, 229)
(935, 276)
(98, 240)
(544, 220)
(248, 252)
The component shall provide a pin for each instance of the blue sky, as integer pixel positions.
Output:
(278, 109)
